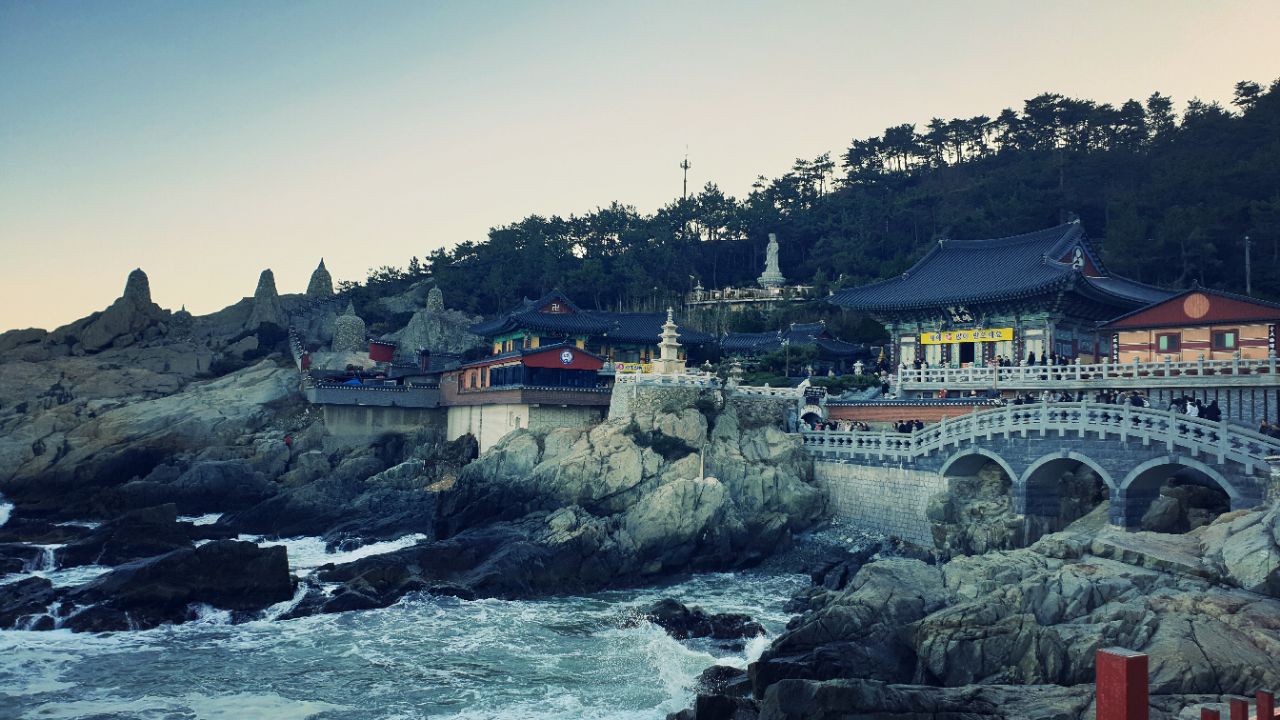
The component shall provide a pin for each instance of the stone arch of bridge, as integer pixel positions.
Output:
(1056, 463)
(970, 460)
(1146, 478)
(1048, 502)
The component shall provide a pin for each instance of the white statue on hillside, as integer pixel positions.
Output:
(772, 276)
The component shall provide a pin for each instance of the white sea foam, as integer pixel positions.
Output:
(6, 509)
(207, 519)
(308, 553)
(553, 659)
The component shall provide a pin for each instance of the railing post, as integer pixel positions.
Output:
(1208, 714)
(1266, 701)
(1238, 709)
(1121, 685)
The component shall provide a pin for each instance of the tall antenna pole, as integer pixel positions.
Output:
(684, 165)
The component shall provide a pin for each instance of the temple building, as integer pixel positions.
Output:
(971, 301)
(1196, 324)
(833, 354)
(626, 341)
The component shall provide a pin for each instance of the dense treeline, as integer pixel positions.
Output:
(1168, 199)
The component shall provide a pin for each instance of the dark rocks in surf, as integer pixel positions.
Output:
(25, 599)
(225, 574)
(137, 534)
(205, 486)
(682, 622)
(19, 557)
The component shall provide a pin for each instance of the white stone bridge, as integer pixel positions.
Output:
(1132, 449)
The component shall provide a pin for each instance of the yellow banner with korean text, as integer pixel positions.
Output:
(961, 336)
(631, 367)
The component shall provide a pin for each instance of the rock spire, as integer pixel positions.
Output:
(266, 303)
(137, 289)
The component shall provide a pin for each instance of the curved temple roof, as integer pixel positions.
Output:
(1018, 266)
(573, 320)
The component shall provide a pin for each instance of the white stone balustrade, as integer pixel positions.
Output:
(1223, 373)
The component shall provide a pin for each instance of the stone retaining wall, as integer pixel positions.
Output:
(889, 499)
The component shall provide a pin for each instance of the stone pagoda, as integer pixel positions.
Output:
(772, 276)
(669, 362)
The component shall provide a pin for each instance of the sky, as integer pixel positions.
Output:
(206, 141)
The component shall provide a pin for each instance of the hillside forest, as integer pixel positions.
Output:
(1169, 199)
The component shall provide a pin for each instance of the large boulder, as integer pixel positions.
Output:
(682, 622)
(208, 486)
(225, 574)
(137, 534)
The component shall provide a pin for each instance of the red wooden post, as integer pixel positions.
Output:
(1122, 684)
(1238, 709)
(1266, 705)
(1207, 714)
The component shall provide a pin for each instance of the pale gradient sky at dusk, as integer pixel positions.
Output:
(206, 141)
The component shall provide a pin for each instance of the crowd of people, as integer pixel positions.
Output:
(841, 425)
(1193, 407)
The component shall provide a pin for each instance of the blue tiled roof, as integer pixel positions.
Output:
(798, 335)
(615, 326)
(972, 271)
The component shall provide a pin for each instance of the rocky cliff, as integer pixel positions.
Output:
(577, 510)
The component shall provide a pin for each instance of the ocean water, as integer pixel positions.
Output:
(426, 657)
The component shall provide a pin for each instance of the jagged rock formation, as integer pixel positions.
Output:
(349, 332)
(1012, 634)
(266, 303)
(130, 319)
(436, 329)
(321, 284)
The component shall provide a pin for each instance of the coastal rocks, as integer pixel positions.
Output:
(842, 699)
(1013, 633)
(118, 443)
(859, 634)
(1244, 547)
(975, 515)
(225, 574)
(628, 499)
(207, 486)
(682, 622)
(22, 602)
(1184, 506)
(137, 534)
